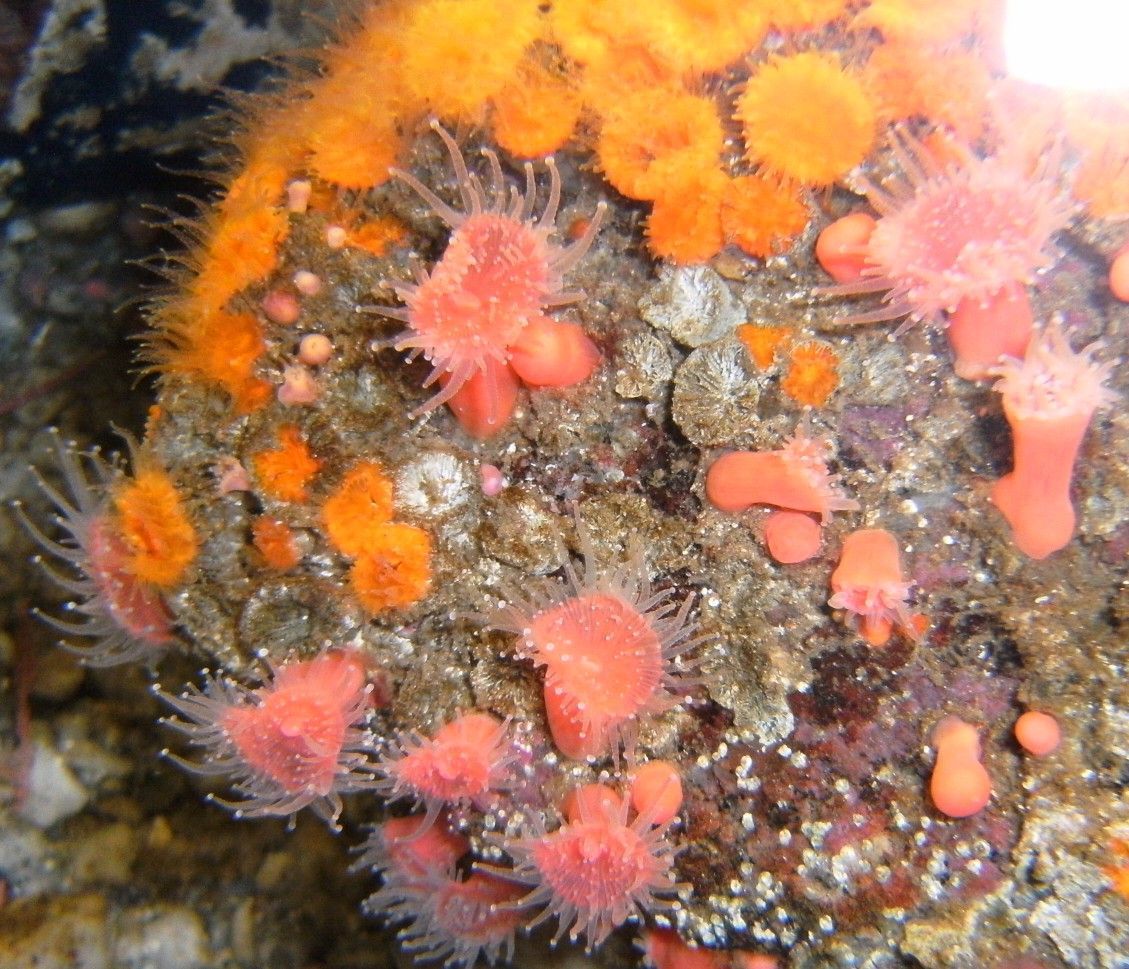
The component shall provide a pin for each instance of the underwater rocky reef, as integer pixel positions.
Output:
(626, 470)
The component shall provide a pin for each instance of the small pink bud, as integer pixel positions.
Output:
(307, 283)
(315, 349)
(335, 236)
(281, 307)
(232, 476)
(298, 387)
(492, 480)
(298, 196)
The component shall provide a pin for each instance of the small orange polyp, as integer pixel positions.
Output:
(981, 331)
(656, 791)
(870, 585)
(1038, 733)
(551, 354)
(1119, 274)
(841, 247)
(792, 536)
(959, 786)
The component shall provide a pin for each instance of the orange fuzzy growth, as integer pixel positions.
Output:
(694, 37)
(457, 54)
(792, 536)
(812, 375)
(959, 786)
(869, 584)
(1038, 733)
(685, 222)
(275, 541)
(945, 87)
(535, 114)
(806, 118)
(841, 246)
(285, 472)
(374, 235)
(239, 250)
(203, 341)
(801, 14)
(762, 342)
(394, 569)
(352, 140)
(646, 128)
(1118, 872)
(1119, 274)
(1098, 126)
(358, 509)
(160, 541)
(935, 22)
(656, 791)
(761, 215)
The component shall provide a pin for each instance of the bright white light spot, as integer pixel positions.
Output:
(1071, 44)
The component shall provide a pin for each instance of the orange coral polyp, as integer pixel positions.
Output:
(806, 118)
(648, 134)
(394, 570)
(813, 374)
(360, 505)
(285, 472)
(155, 528)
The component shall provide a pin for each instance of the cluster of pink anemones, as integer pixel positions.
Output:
(444, 916)
(463, 763)
(294, 742)
(612, 649)
(596, 871)
(479, 316)
(962, 238)
(124, 618)
(1049, 399)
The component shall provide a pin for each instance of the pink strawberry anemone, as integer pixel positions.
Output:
(294, 742)
(964, 239)
(598, 870)
(479, 316)
(612, 649)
